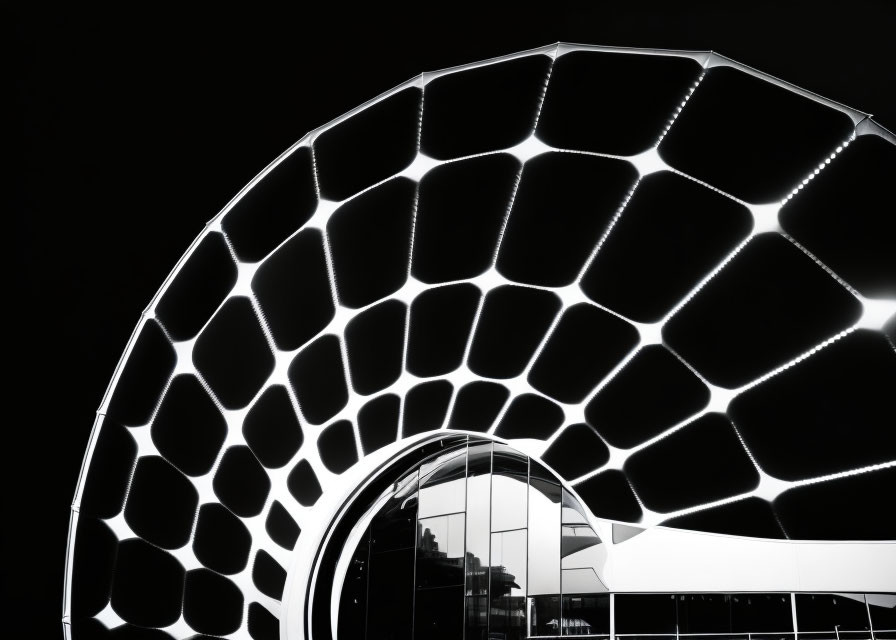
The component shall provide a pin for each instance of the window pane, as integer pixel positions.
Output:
(508, 584)
(645, 614)
(761, 612)
(440, 551)
(438, 614)
(544, 537)
(476, 618)
(442, 484)
(509, 488)
(581, 547)
(544, 616)
(824, 611)
(390, 611)
(586, 615)
(581, 581)
(704, 613)
(883, 614)
(479, 480)
(572, 510)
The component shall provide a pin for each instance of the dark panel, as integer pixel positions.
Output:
(530, 416)
(439, 613)
(702, 462)
(609, 495)
(843, 218)
(293, 290)
(212, 603)
(241, 482)
(592, 612)
(318, 379)
(544, 614)
(844, 509)
(512, 324)
(460, 214)
(281, 527)
(477, 405)
(395, 525)
(188, 428)
(611, 102)
(751, 138)
(268, 575)
(369, 146)
(768, 305)
(93, 561)
(425, 406)
(303, 485)
(370, 239)
(144, 376)
(483, 109)
(272, 429)
(109, 473)
(390, 608)
(198, 289)
(650, 394)
(374, 339)
(761, 612)
(645, 614)
(274, 208)
(793, 423)
(669, 220)
(584, 347)
(233, 355)
(825, 611)
(704, 613)
(221, 541)
(441, 319)
(337, 448)
(378, 422)
(562, 207)
(161, 503)
(576, 451)
(262, 624)
(752, 517)
(148, 584)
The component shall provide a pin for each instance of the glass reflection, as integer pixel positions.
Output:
(507, 585)
(440, 551)
(882, 607)
(476, 618)
(544, 616)
(394, 526)
(586, 615)
(572, 512)
(391, 573)
(761, 612)
(544, 541)
(438, 614)
(510, 471)
(645, 614)
(582, 580)
(844, 612)
(442, 484)
(479, 478)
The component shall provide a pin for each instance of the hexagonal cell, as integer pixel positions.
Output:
(425, 406)
(273, 209)
(653, 392)
(303, 484)
(563, 205)
(768, 305)
(378, 422)
(188, 429)
(148, 584)
(145, 373)
(318, 379)
(212, 603)
(281, 527)
(609, 495)
(336, 445)
(576, 451)
(93, 562)
(293, 290)
(750, 137)
(613, 103)
(530, 416)
(272, 429)
(268, 575)
(374, 340)
(221, 541)
(794, 421)
(490, 107)
(233, 355)
(477, 405)
(669, 220)
(370, 146)
(440, 324)
(262, 624)
(370, 241)
(460, 214)
(241, 483)
(842, 217)
(109, 474)
(701, 462)
(161, 503)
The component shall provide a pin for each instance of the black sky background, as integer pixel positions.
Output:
(131, 130)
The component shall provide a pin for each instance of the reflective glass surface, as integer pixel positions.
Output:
(509, 488)
(438, 614)
(882, 607)
(825, 611)
(478, 518)
(442, 484)
(761, 612)
(544, 616)
(507, 584)
(394, 527)
(586, 615)
(544, 541)
(440, 551)
(645, 614)
(583, 580)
